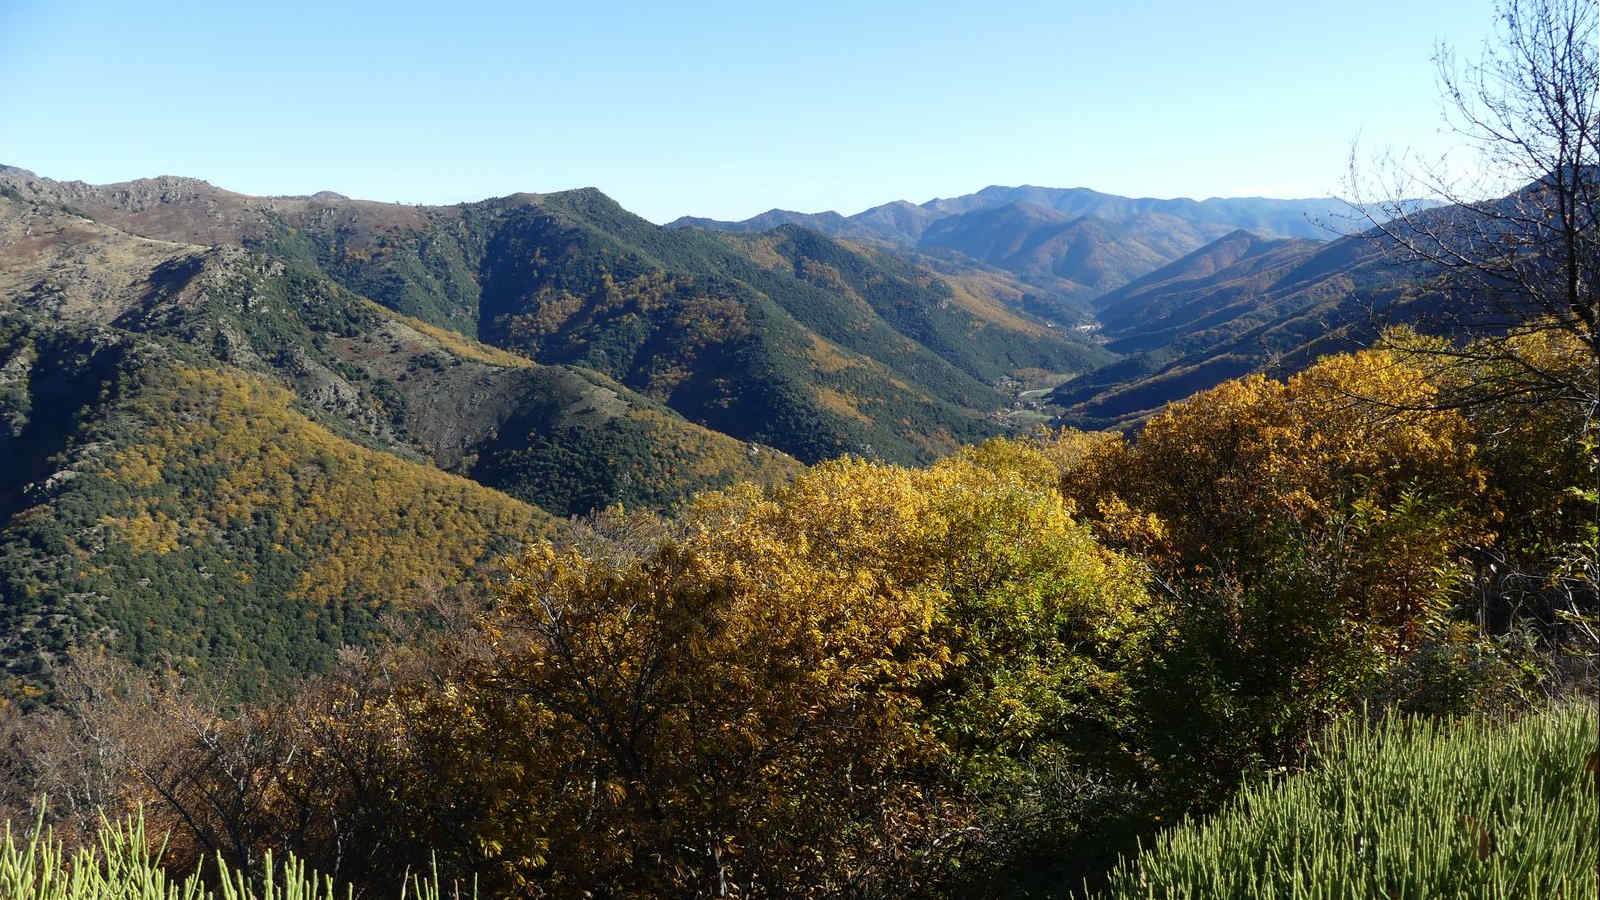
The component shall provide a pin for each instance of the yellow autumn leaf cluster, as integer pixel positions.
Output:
(734, 696)
(233, 454)
(1356, 463)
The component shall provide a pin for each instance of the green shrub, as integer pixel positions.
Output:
(1404, 808)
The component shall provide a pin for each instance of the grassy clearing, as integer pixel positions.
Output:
(456, 343)
(1402, 809)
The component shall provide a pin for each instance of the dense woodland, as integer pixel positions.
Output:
(984, 676)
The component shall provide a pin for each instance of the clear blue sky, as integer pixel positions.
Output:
(721, 109)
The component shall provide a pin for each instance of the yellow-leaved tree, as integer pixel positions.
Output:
(806, 690)
(1307, 535)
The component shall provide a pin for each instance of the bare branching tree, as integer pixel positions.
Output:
(1513, 238)
(1516, 234)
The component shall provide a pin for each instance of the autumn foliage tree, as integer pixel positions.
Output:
(805, 691)
(1516, 246)
(1303, 539)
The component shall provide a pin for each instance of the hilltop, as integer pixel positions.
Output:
(712, 329)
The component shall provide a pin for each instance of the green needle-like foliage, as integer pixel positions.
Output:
(123, 867)
(1402, 809)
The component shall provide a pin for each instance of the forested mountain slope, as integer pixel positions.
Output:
(1240, 305)
(224, 458)
(778, 354)
(1162, 307)
(171, 507)
(394, 383)
(1078, 257)
(293, 391)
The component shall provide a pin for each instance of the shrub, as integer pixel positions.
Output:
(1402, 808)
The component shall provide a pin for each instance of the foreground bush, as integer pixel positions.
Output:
(1406, 808)
(122, 867)
(830, 688)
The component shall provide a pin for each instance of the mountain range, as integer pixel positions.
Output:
(1244, 304)
(246, 429)
(1071, 243)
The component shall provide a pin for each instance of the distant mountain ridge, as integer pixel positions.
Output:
(902, 223)
(1072, 244)
(1245, 304)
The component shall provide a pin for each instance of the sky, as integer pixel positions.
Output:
(723, 109)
